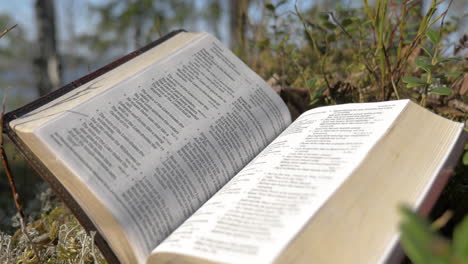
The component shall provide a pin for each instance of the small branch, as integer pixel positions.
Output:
(443, 17)
(340, 26)
(5, 163)
(7, 30)
(442, 220)
(11, 182)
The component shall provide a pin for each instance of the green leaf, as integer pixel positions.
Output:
(428, 50)
(415, 237)
(424, 63)
(465, 158)
(433, 36)
(311, 83)
(324, 16)
(413, 80)
(422, 60)
(413, 85)
(453, 74)
(441, 91)
(460, 236)
(329, 25)
(427, 68)
(313, 102)
(320, 91)
(449, 60)
(367, 22)
(352, 29)
(433, 78)
(346, 22)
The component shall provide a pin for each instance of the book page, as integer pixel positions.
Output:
(156, 146)
(255, 216)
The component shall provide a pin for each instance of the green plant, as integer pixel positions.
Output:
(361, 54)
(423, 245)
(430, 63)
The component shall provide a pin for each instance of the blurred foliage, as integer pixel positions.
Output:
(363, 54)
(423, 245)
(131, 24)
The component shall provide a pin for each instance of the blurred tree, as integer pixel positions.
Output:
(47, 62)
(212, 15)
(130, 24)
(238, 16)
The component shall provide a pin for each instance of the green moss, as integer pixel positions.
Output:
(56, 236)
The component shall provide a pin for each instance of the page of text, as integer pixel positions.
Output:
(255, 216)
(155, 147)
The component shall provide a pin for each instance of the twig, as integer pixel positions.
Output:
(315, 46)
(443, 18)
(7, 30)
(340, 26)
(6, 165)
(11, 182)
(442, 220)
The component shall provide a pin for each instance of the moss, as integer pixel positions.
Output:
(57, 237)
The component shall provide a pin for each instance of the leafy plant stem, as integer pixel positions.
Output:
(321, 57)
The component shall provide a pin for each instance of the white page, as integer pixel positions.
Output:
(155, 147)
(262, 208)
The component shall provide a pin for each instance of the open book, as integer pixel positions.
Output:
(182, 154)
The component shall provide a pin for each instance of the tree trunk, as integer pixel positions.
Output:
(47, 65)
(238, 24)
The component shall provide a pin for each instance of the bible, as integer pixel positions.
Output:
(180, 153)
